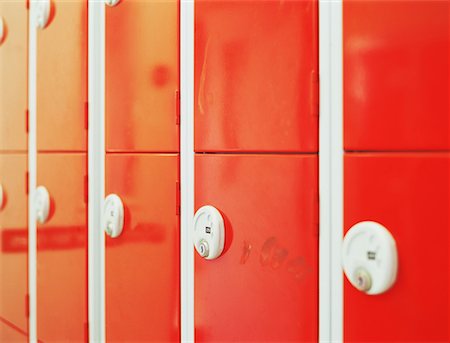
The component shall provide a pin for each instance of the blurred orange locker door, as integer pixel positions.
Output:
(142, 264)
(396, 75)
(256, 76)
(142, 76)
(264, 287)
(13, 75)
(62, 248)
(62, 78)
(409, 194)
(14, 246)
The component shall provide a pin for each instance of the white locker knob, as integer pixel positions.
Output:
(369, 257)
(2, 30)
(209, 232)
(112, 3)
(42, 204)
(1, 197)
(112, 216)
(43, 8)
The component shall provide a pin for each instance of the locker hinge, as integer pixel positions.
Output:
(86, 115)
(86, 332)
(86, 189)
(178, 202)
(27, 180)
(27, 4)
(27, 305)
(315, 110)
(27, 120)
(177, 107)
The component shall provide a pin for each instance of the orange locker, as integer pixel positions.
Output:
(142, 264)
(62, 78)
(256, 76)
(11, 334)
(62, 249)
(264, 286)
(13, 243)
(410, 195)
(396, 75)
(142, 76)
(13, 75)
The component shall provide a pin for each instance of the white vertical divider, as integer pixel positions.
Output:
(331, 171)
(32, 161)
(96, 169)
(187, 168)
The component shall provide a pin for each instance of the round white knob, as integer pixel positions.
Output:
(113, 215)
(43, 8)
(112, 3)
(42, 204)
(369, 257)
(209, 232)
(2, 30)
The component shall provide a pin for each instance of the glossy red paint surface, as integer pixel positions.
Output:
(62, 78)
(62, 250)
(256, 76)
(13, 241)
(410, 195)
(396, 75)
(11, 334)
(142, 76)
(13, 76)
(142, 264)
(264, 287)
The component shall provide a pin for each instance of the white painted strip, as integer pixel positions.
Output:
(96, 163)
(331, 171)
(187, 169)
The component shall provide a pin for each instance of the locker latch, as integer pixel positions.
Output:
(1, 197)
(112, 215)
(42, 204)
(112, 3)
(43, 8)
(209, 232)
(2, 30)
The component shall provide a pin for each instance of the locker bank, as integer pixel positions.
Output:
(224, 171)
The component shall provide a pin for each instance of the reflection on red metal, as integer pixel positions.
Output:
(142, 76)
(256, 76)
(62, 78)
(410, 195)
(61, 259)
(13, 266)
(142, 264)
(264, 287)
(13, 76)
(396, 75)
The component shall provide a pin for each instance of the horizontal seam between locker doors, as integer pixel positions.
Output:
(13, 326)
(253, 153)
(393, 152)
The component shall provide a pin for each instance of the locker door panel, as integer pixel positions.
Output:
(264, 287)
(13, 75)
(410, 195)
(62, 78)
(62, 250)
(142, 76)
(11, 334)
(256, 79)
(396, 75)
(13, 240)
(142, 264)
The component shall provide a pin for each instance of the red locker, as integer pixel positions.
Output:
(396, 75)
(410, 195)
(13, 75)
(256, 76)
(264, 287)
(62, 250)
(62, 78)
(142, 76)
(142, 264)
(13, 243)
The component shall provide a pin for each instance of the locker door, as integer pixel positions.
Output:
(13, 242)
(396, 75)
(62, 250)
(256, 79)
(142, 76)
(264, 287)
(410, 195)
(62, 78)
(13, 75)
(9, 333)
(142, 264)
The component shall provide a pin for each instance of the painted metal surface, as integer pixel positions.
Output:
(142, 76)
(13, 76)
(396, 75)
(410, 195)
(62, 249)
(264, 287)
(11, 334)
(256, 76)
(13, 241)
(142, 264)
(62, 78)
